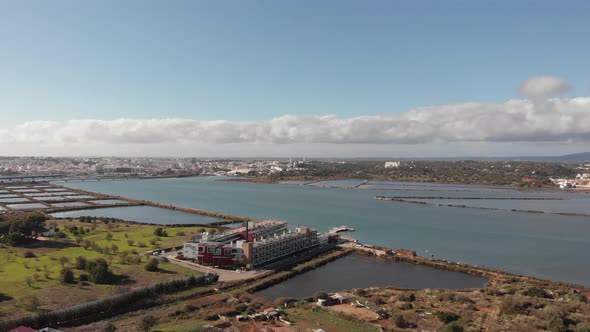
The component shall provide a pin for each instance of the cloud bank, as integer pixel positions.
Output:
(540, 118)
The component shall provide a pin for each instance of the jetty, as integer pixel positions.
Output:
(339, 229)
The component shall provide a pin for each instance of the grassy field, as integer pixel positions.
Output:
(39, 275)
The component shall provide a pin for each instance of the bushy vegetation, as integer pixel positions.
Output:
(66, 276)
(152, 265)
(98, 271)
(23, 228)
(446, 317)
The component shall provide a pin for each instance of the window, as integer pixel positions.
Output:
(210, 250)
(201, 249)
(227, 251)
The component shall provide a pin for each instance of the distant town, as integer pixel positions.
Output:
(491, 172)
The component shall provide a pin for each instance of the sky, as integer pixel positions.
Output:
(280, 78)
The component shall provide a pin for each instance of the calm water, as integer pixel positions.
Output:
(355, 271)
(581, 206)
(147, 214)
(546, 246)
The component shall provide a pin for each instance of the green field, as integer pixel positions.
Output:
(21, 276)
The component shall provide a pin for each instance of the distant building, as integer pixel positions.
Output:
(332, 300)
(392, 164)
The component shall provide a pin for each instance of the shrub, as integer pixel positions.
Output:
(212, 317)
(110, 327)
(66, 276)
(452, 327)
(29, 254)
(241, 307)
(556, 324)
(446, 317)
(160, 232)
(513, 306)
(181, 233)
(147, 322)
(407, 297)
(142, 245)
(190, 308)
(83, 277)
(536, 292)
(130, 242)
(406, 306)
(80, 263)
(583, 328)
(400, 321)
(152, 265)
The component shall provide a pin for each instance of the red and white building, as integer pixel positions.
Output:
(257, 244)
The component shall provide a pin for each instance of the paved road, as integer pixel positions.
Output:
(224, 275)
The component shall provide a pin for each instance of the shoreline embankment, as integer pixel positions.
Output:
(411, 200)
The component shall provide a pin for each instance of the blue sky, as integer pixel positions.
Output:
(259, 60)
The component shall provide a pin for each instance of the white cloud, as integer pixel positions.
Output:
(542, 87)
(519, 120)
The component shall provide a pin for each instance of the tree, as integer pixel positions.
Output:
(66, 276)
(64, 260)
(147, 322)
(160, 232)
(98, 271)
(114, 248)
(22, 229)
(152, 265)
(109, 236)
(80, 263)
